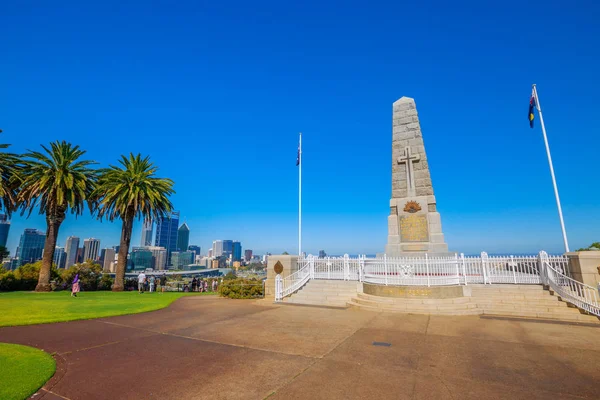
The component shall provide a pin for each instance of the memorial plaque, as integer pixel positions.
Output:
(413, 228)
(278, 267)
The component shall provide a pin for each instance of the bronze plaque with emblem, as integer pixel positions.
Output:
(278, 267)
(413, 228)
(412, 207)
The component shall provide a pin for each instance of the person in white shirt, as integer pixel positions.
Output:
(141, 282)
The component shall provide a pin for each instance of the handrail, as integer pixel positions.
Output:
(579, 294)
(291, 283)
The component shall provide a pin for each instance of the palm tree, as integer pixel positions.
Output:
(9, 168)
(128, 192)
(56, 181)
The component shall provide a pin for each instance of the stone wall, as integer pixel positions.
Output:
(290, 265)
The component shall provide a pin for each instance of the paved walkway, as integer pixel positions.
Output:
(234, 349)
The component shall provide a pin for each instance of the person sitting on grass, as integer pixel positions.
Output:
(75, 287)
(141, 282)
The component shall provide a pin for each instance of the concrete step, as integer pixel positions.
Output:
(413, 300)
(316, 303)
(472, 311)
(417, 307)
(525, 308)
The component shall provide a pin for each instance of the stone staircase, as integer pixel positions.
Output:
(529, 301)
(331, 293)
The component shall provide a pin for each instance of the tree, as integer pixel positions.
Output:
(55, 180)
(3, 253)
(9, 179)
(128, 192)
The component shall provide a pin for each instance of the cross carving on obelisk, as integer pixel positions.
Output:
(410, 172)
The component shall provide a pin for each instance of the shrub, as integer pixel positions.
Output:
(90, 276)
(241, 288)
(8, 282)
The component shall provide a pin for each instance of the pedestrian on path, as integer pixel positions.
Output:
(152, 283)
(75, 287)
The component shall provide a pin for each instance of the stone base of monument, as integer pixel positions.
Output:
(435, 292)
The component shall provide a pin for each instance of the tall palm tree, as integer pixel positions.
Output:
(55, 180)
(9, 168)
(128, 192)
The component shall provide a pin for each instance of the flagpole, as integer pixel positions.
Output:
(560, 214)
(300, 197)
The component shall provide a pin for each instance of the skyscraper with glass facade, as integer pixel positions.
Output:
(181, 259)
(166, 233)
(183, 237)
(59, 257)
(91, 247)
(4, 228)
(71, 248)
(141, 258)
(147, 230)
(31, 246)
(236, 251)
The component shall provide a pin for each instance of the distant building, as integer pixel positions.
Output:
(209, 253)
(248, 255)
(181, 259)
(107, 257)
(80, 252)
(147, 230)
(227, 248)
(195, 249)
(183, 237)
(322, 254)
(166, 233)
(91, 247)
(141, 258)
(60, 257)
(217, 249)
(236, 251)
(4, 228)
(71, 251)
(31, 246)
(159, 257)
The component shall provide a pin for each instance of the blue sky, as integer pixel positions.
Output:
(216, 93)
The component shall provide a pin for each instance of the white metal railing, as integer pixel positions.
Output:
(579, 294)
(424, 270)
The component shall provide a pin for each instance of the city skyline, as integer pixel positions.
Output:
(332, 75)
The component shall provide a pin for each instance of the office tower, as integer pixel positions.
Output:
(147, 230)
(195, 249)
(181, 259)
(60, 257)
(31, 246)
(217, 249)
(79, 258)
(141, 258)
(209, 253)
(183, 237)
(91, 247)
(322, 254)
(159, 257)
(236, 251)
(107, 256)
(71, 250)
(248, 255)
(4, 228)
(227, 248)
(166, 233)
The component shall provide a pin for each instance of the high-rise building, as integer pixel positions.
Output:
(166, 233)
(248, 255)
(79, 258)
(4, 228)
(31, 246)
(236, 251)
(217, 249)
(147, 230)
(107, 256)
(91, 247)
(181, 259)
(71, 250)
(209, 253)
(322, 254)
(183, 237)
(141, 258)
(159, 257)
(60, 257)
(227, 248)
(194, 248)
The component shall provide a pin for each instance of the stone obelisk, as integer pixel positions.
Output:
(414, 225)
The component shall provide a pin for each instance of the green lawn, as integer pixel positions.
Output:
(23, 370)
(27, 308)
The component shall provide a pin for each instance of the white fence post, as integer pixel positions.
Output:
(361, 266)
(278, 288)
(462, 257)
(484, 260)
(512, 265)
(427, 268)
(311, 266)
(543, 258)
(385, 269)
(457, 270)
(346, 267)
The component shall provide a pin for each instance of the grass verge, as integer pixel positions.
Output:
(23, 370)
(28, 308)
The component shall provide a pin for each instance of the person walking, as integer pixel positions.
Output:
(214, 285)
(163, 282)
(194, 284)
(75, 287)
(141, 282)
(152, 283)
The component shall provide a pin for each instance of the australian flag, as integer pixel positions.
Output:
(531, 107)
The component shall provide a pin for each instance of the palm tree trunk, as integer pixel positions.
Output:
(126, 230)
(53, 223)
